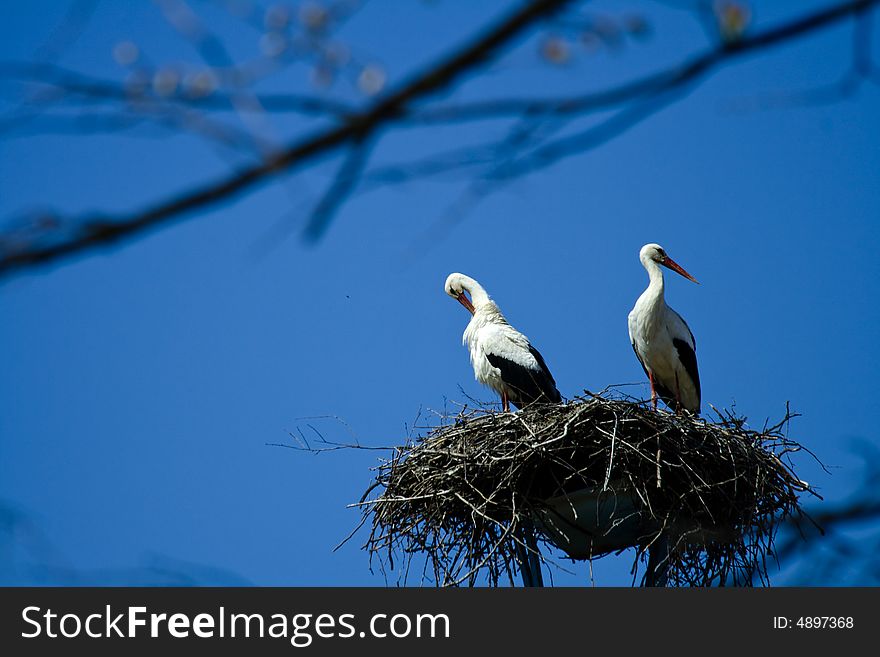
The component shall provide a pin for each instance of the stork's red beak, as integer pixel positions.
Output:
(464, 301)
(677, 268)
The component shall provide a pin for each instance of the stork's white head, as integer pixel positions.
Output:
(656, 253)
(458, 286)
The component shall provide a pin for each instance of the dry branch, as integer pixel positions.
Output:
(405, 106)
(101, 230)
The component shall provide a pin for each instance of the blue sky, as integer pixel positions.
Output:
(140, 386)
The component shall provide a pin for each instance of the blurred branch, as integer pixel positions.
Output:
(651, 86)
(102, 230)
(65, 84)
(861, 70)
(820, 547)
(339, 190)
(353, 130)
(638, 100)
(68, 32)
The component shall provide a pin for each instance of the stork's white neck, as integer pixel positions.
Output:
(655, 274)
(479, 296)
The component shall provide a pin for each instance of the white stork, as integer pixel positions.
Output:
(662, 340)
(502, 357)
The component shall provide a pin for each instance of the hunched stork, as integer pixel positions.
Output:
(502, 357)
(662, 340)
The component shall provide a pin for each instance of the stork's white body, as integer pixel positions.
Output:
(488, 332)
(663, 342)
(503, 358)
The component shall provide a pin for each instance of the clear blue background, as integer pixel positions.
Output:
(139, 387)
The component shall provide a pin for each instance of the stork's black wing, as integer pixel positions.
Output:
(690, 333)
(548, 383)
(688, 358)
(531, 384)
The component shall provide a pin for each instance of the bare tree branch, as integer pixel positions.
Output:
(101, 230)
(66, 84)
(337, 193)
(641, 98)
(862, 70)
(649, 85)
(820, 540)
(74, 23)
(400, 108)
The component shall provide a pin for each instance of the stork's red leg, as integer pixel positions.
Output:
(505, 403)
(653, 392)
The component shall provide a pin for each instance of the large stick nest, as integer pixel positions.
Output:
(591, 477)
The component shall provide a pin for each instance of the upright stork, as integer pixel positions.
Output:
(662, 340)
(502, 357)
